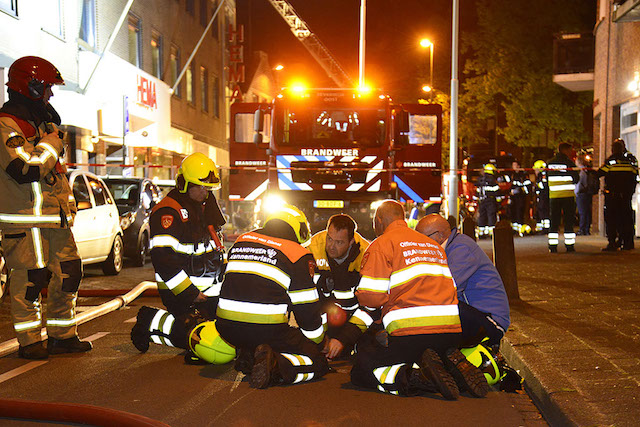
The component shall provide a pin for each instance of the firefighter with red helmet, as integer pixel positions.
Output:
(187, 257)
(36, 213)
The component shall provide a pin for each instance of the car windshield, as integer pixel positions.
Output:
(125, 193)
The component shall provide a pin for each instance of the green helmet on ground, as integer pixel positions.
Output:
(208, 345)
(482, 358)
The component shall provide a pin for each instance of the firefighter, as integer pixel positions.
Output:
(269, 274)
(338, 252)
(186, 255)
(36, 213)
(542, 197)
(405, 273)
(620, 172)
(488, 191)
(562, 176)
(520, 184)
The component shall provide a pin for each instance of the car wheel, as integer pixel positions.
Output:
(113, 264)
(143, 250)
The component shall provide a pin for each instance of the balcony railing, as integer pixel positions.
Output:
(573, 61)
(626, 11)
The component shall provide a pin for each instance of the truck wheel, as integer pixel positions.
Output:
(113, 263)
(140, 259)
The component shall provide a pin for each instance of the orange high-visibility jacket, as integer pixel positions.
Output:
(406, 274)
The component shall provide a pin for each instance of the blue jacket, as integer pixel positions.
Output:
(477, 279)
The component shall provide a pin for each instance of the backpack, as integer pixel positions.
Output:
(593, 182)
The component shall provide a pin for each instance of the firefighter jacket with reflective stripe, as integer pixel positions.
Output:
(562, 176)
(620, 173)
(542, 184)
(182, 253)
(337, 283)
(266, 278)
(406, 274)
(34, 190)
(487, 187)
(520, 183)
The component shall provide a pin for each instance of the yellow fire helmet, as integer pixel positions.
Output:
(482, 358)
(208, 345)
(539, 164)
(296, 220)
(490, 168)
(198, 169)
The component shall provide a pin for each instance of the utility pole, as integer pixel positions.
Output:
(453, 140)
(363, 25)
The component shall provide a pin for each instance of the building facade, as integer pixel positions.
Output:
(616, 101)
(121, 104)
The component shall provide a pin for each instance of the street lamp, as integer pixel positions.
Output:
(426, 43)
(277, 70)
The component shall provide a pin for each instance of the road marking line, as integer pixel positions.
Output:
(237, 381)
(96, 336)
(132, 320)
(21, 370)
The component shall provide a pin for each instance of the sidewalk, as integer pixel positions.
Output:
(575, 333)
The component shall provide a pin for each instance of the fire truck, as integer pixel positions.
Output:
(333, 150)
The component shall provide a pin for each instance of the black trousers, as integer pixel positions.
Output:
(487, 212)
(299, 358)
(397, 359)
(584, 202)
(542, 207)
(476, 325)
(618, 218)
(516, 208)
(562, 209)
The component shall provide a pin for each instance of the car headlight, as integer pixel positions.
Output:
(127, 219)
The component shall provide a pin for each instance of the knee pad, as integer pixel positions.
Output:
(72, 275)
(40, 278)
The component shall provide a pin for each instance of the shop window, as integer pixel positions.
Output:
(9, 6)
(135, 52)
(174, 64)
(52, 17)
(204, 89)
(88, 23)
(156, 54)
(216, 97)
(190, 82)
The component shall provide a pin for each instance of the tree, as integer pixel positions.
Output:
(508, 73)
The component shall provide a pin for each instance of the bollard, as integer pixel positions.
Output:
(504, 258)
(469, 227)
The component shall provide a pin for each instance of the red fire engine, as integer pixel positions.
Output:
(334, 150)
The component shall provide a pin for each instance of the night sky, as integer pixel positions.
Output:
(394, 60)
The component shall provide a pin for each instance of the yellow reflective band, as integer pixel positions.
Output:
(260, 269)
(316, 335)
(263, 319)
(405, 275)
(61, 322)
(304, 296)
(387, 374)
(19, 219)
(167, 241)
(361, 319)
(252, 312)
(303, 377)
(344, 294)
(373, 284)
(37, 198)
(23, 326)
(432, 315)
(23, 154)
(36, 236)
(298, 359)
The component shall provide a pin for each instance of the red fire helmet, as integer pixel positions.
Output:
(30, 76)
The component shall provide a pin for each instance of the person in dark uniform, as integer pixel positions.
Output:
(542, 197)
(620, 172)
(520, 185)
(562, 176)
(488, 191)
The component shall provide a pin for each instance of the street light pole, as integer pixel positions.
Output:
(426, 43)
(453, 140)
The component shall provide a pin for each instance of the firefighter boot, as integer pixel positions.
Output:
(35, 351)
(68, 345)
(140, 333)
(417, 383)
(265, 367)
(244, 361)
(433, 370)
(467, 376)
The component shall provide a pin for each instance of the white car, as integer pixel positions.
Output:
(96, 228)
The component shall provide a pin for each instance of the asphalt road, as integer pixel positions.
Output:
(159, 385)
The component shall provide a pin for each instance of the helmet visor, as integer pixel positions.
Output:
(211, 181)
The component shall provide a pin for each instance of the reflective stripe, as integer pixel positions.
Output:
(298, 359)
(61, 322)
(18, 218)
(553, 239)
(156, 339)
(179, 282)
(405, 275)
(261, 269)
(303, 377)
(569, 238)
(213, 290)
(373, 284)
(36, 236)
(315, 334)
(387, 374)
(37, 198)
(349, 308)
(492, 187)
(155, 322)
(165, 240)
(202, 283)
(560, 178)
(344, 294)
(23, 326)
(50, 151)
(361, 319)
(432, 315)
(252, 307)
(316, 277)
(563, 187)
(304, 296)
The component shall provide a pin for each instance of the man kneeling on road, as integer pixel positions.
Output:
(406, 274)
(269, 274)
(338, 252)
(482, 300)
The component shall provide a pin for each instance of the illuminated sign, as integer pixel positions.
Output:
(236, 60)
(146, 93)
(419, 164)
(250, 163)
(350, 152)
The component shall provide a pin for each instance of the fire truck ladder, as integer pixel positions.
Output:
(312, 43)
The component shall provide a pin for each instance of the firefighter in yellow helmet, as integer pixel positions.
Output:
(542, 197)
(36, 213)
(186, 254)
(268, 275)
(488, 191)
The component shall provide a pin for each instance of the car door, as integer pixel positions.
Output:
(106, 215)
(84, 227)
